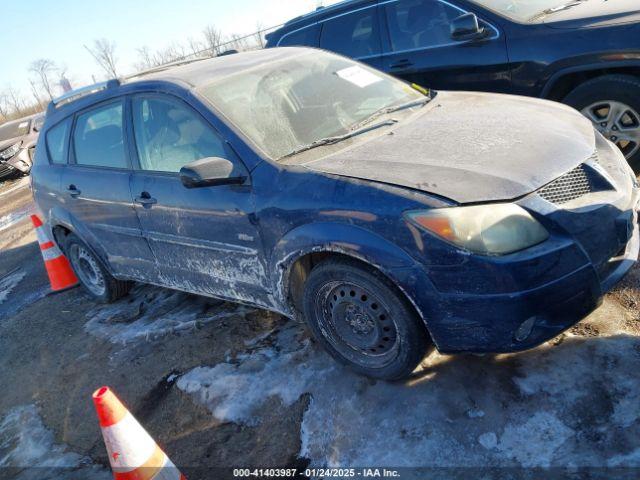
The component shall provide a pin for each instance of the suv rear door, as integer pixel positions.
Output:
(95, 191)
(205, 239)
(354, 34)
(419, 48)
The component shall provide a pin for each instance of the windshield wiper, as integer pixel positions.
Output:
(387, 110)
(553, 10)
(339, 138)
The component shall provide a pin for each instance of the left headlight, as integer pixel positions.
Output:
(496, 229)
(7, 153)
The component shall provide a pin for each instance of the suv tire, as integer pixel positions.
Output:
(363, 321)
(597, 97)
(93, 276)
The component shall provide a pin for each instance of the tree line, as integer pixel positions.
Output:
(48, 78)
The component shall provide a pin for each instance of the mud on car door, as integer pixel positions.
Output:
(204, 239)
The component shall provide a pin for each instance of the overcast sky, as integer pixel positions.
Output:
(58, 29)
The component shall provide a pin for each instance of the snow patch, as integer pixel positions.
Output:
(150, 312)
(9, 282)
(458, 411)
(25, 443)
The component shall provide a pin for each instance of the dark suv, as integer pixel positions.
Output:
(585, 53)
(309, 184)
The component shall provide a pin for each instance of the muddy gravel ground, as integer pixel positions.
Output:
(220, 385)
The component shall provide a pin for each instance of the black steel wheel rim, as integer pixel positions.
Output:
(358, 324)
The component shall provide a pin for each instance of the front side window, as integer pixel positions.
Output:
(56, 142)
(306, 37)
(283, 105)
(353, 35)
(98, 138)
(170, 135)
(415, 24)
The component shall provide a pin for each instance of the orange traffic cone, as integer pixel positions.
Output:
(133, 454)
(59, 269)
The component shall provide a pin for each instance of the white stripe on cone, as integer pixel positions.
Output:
(128, 445)
(169, 472)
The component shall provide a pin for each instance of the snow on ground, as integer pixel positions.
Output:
(574, 402)
(9, 282)
(149, 312)
(9, 220)
(28, 451)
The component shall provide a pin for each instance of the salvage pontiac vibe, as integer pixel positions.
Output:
(389, 218)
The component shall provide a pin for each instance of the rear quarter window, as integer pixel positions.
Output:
(305, 37)
(57, 142)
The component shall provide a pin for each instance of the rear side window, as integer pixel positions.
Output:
(98, 138)
(306, 37)
(354, 35)
(57, 142)
(417, 24)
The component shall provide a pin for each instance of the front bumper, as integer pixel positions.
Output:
(482, 304)
(21, 162)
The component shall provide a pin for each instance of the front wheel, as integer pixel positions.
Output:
(93, 276)
(362, 320)
(612, 103)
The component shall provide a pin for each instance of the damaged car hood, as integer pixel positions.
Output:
(471, 147)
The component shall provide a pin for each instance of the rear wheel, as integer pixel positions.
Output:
(363, 321)
(94, 278)
(612, 103)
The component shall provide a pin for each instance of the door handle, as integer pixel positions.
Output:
(73, 191)
(146, 200)
(404, 63)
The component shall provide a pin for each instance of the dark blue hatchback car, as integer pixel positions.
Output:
(391, 220)
(585, 53)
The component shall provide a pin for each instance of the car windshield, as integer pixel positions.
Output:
(284, 106)
(523, 10)
(14, 129)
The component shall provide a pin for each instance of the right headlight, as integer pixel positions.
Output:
(496, 229)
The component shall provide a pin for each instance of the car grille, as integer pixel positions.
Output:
(571, 185)
(5, 169)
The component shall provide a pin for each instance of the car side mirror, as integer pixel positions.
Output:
(466, 27)
(211, 171)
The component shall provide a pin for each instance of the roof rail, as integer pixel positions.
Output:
(166, 66)
(76, 94)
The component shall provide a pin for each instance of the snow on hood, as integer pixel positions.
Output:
(534, 409)
(472, 147)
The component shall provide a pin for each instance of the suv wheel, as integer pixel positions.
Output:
(95, 279)
(612, 103)
(363, 321)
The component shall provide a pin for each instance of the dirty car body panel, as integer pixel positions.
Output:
(349, 197)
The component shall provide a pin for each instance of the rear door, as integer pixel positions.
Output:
(205, 239)
(419, 48)
(95, 191)
(354, 34)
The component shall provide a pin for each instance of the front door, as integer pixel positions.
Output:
(419, 48)
(96, 195)
(204, 239)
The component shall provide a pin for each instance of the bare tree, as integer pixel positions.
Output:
(145, 59)
(43, 69)
(103, 52)
(259, 35)
(195, 46)
(4, 110)
(212, 39)
(14, 100)
(34, 91)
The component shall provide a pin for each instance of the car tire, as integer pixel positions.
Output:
(596, 98)
(93, 276)
(363, 320)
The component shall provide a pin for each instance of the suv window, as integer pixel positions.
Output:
(56, 142)
(98, 138)
(353, 35)
(170, 135)
(307, 36)
(419, 23)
